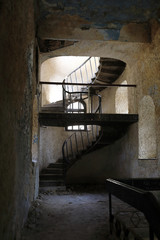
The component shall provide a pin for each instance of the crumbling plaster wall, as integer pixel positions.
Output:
(17, 74)
(143, 70)
(50, 147)
(104, 20)
(147, 75)
(121, 159)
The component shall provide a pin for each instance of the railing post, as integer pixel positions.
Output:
(76, 142)
(93, 135)
(71, 81)
(86, 73)
(100, 105)
(82, 140)
(76, 79)
(97, 130)
(95, 64)
(67, 151)
(71, 147)
(110, 213)
(88, 137)
(81, 75)
(89, 100)
(91, 67)
(64, 97)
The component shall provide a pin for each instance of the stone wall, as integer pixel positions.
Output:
(17, 76)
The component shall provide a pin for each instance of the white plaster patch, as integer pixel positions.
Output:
(121, 99)
(147, 129)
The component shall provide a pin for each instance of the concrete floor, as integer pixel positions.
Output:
(68, 215)
(71, 215)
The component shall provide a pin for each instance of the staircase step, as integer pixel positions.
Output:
(60, 160)
(51, 176)
(105, 79)
(52, 170)
(47, 183)
(56, 165)
(111, 62)
(105, 59)
(48, 189)
(104, 68)
(107, 74)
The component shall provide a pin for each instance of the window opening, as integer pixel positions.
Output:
(76, 107)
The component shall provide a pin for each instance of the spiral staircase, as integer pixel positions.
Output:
(96, 129)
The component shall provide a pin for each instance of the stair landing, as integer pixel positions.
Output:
(65, 119)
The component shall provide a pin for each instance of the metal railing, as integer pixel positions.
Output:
(143, 200)
(85, 73)
(80, 141)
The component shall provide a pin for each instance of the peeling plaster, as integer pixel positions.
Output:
(60, 19)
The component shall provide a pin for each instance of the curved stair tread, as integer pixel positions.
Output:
(106, 68)
(107, 74)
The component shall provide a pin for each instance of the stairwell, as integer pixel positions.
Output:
(95, 136)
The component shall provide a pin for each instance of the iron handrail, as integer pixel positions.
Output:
(70, 96)
(99, 108)
(77, 68)
(68, 90)
(66, 157)
(144, 201)
(77, 152)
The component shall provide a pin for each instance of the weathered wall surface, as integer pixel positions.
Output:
(104, 20)
(109, 162)
(147, 74)
(17, 67)
(51, 141)
(122, 158)
(142, 69)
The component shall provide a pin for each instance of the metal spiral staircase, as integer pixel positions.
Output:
(77, 104)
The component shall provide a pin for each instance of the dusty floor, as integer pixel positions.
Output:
(70, 215)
